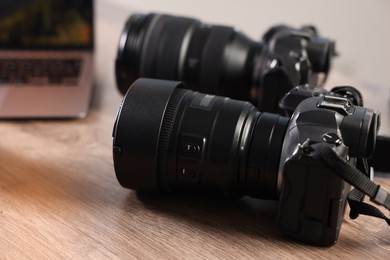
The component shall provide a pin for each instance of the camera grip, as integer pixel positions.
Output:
(312, 202)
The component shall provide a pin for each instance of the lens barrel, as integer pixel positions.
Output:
(210, 59)
(170, 139)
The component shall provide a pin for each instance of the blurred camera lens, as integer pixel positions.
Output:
(220, 60)
(167, 138)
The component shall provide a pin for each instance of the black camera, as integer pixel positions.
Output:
(220, 60)
(170, 139)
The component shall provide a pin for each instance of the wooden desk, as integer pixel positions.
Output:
(59, 197)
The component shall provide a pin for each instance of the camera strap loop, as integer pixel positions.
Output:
(363, 185)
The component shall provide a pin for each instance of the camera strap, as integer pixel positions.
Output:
(362, 183)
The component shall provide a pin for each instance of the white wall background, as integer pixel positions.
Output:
(361, 28)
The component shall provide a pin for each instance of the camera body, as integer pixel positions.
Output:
(170, 139)
(291, 57)
(313, 197)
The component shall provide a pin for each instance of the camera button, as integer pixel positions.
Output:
(187, 174)
(191, 151)
(191, 147)
(332, 138)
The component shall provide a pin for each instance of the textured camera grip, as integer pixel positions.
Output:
(312, 202)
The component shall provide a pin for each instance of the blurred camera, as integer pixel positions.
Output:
(220, 60)
(171, 139)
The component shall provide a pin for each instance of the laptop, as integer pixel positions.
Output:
(46, 58)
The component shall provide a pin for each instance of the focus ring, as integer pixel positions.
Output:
(165, 135)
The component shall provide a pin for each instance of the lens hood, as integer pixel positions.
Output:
(137, 130)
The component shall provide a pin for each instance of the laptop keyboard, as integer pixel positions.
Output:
(40, 72)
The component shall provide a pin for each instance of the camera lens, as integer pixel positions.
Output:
(211, 59)
(220, 60)
(170, 139)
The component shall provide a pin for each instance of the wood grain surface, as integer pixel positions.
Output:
(59, 197)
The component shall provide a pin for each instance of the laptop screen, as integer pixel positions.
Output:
(46, 24)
